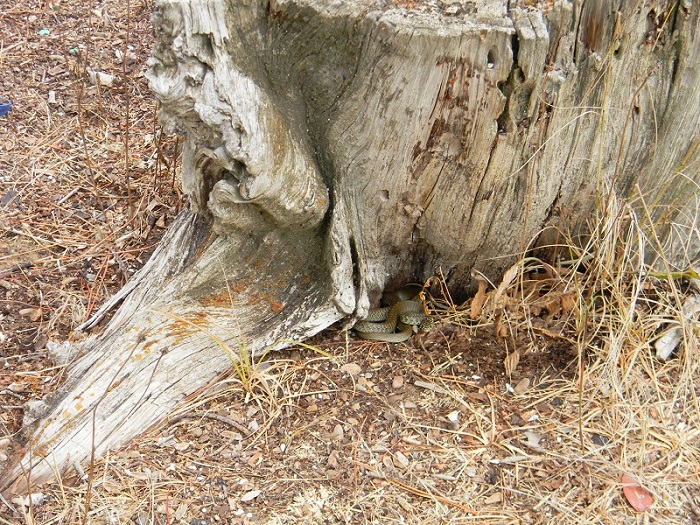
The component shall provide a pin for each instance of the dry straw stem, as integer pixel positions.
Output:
(648, 409)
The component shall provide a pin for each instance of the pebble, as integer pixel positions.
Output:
(351, 368)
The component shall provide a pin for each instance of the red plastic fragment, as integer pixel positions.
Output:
(636, 495)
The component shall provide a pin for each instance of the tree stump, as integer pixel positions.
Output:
(337, 149)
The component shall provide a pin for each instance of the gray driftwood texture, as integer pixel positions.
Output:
(338, 148)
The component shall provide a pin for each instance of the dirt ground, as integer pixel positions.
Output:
(431, 431)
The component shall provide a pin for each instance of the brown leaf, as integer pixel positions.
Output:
(501, 329)
(181, 510)
(337, 433)
(34, 314)
(400, 460)
(511, 362)
(333, 459)
(493, 499)
(478, 300)
(255, 459)
(568, 302)
(508, 278)
(40, 341)
(553, 305)
(535, 310)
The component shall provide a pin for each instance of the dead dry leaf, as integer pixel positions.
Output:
(478, 300)
(337, 433)
(33, 314)
(553, 305)
(494, 499)
(388, 463)
(333, 460)
(507, 280)
(255, 459)
(400, 460)
(568, 302)
(511, 362)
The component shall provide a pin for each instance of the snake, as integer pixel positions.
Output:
(397, 322)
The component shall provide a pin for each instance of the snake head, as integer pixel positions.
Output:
(426, 325)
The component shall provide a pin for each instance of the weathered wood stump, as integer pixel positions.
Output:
(335, 149)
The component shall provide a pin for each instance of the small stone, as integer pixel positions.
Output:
(248, 496)
(494, 499)
(364, 384)
(337, 433)
(397, 382)
(522, 385)
(351, 368)
(599, 440)
(395, 399)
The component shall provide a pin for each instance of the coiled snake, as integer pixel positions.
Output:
(398, 321)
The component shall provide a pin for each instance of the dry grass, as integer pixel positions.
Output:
(525, 405)
(387, 433)
(645, 409)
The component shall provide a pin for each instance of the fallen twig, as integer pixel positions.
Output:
(16, 268)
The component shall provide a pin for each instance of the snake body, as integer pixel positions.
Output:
(395, 323)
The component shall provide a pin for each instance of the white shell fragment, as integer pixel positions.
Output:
(671, 338)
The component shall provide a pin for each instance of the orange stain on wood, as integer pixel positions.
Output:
(190, 323)
(219, 299)
(276, 306)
